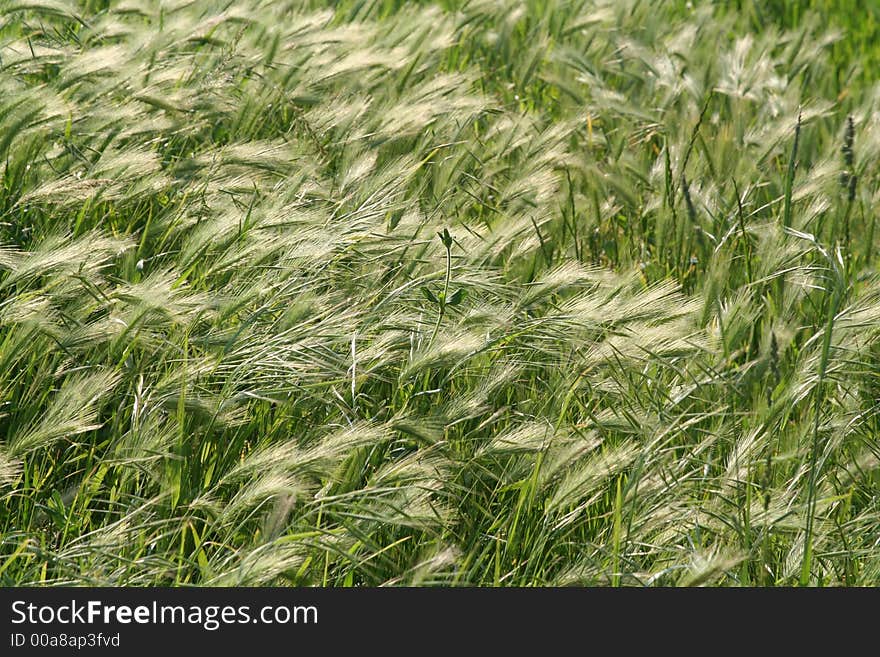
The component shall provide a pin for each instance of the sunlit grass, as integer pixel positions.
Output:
(465, 293)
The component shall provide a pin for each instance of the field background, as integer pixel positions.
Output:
(456, 293)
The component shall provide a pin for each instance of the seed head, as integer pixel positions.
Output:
(848, 138)
(848, 178)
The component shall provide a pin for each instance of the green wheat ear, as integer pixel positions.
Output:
(848, 178)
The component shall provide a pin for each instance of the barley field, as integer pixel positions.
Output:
(458, 293)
